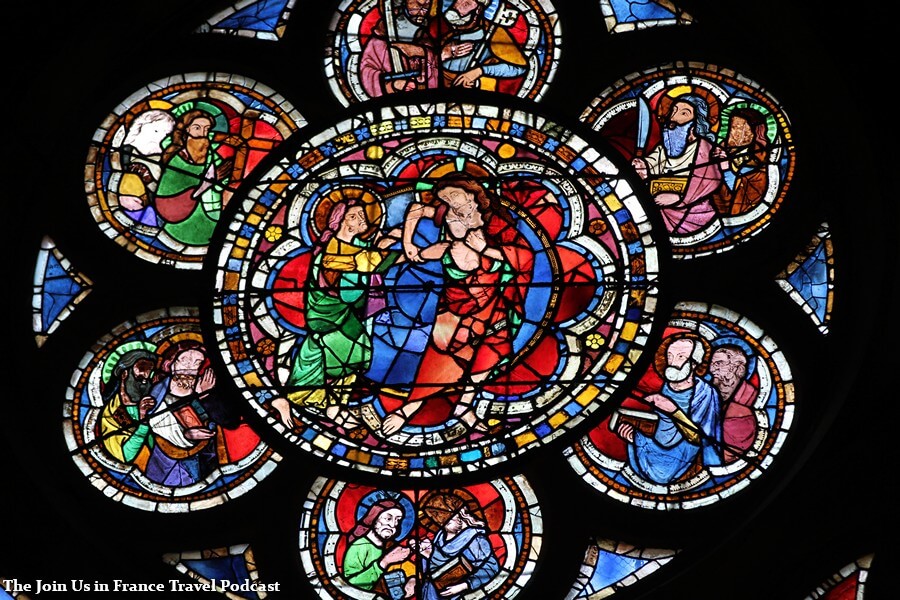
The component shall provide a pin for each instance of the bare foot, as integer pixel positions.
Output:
(393, 423)
(470, 419)
(284, 411)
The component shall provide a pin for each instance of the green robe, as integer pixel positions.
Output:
(188, 217)
(121, 431)
(338, 346)
(361, 566)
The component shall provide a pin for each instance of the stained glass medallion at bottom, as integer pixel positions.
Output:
(475, 541)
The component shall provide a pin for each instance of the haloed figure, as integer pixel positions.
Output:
(192, 186)
(478, 53)
(337, 348)
(730, 374)
(373, 553)
(689, 415)
(459, 559)
(684, 169)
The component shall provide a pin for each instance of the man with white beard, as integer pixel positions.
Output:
(685, 169)
(688, 409)
(476, 53)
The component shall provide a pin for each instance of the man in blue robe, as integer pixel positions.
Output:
(689, 426)
(459, 559)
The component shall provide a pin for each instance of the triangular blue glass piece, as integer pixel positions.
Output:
(630, 11)
(259, 16)
(809, 279)
(58, 288)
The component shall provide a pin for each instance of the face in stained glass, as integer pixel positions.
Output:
(386, 47)
(435, 288)
(166, 162)
(472, 541)
(147, 424)
(713, 147)
(705, 419)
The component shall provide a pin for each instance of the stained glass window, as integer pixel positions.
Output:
(58, 288)
(610, 566)
(628, 15)
(382, 299)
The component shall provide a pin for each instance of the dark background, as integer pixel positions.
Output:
(826, 501)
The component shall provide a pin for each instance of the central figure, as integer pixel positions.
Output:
(486, 265)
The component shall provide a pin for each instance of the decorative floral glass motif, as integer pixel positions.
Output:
(164, 164)
(431, 289)
(147, 426)
(474, 541)
(714, 148)
(383, 47)
(707, 417)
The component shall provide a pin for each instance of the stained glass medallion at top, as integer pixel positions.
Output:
(431, 289)
(388, 47)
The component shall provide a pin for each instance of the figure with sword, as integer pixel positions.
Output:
(399, 56)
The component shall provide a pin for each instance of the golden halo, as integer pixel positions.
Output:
(432, 500)
(371, 203)
(668, 96)
(179, 337)
(113, 359)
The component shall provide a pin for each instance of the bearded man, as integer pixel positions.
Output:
(729, 371)
(746, 172)
(372, 550)
(191, 189)
(688, 408)
(684, 170)
(122, 426)
(400, 56)
(476, 53)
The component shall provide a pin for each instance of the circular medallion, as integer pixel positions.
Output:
(147, 424)
(433, 289)
(510, 47)
(481, 540)
(704, 421)
(715, 149)
(165, 163)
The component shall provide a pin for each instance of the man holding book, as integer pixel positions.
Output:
(459, 559)
(685, 423)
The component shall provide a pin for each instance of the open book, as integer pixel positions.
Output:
(451, 573)
(642, 420)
